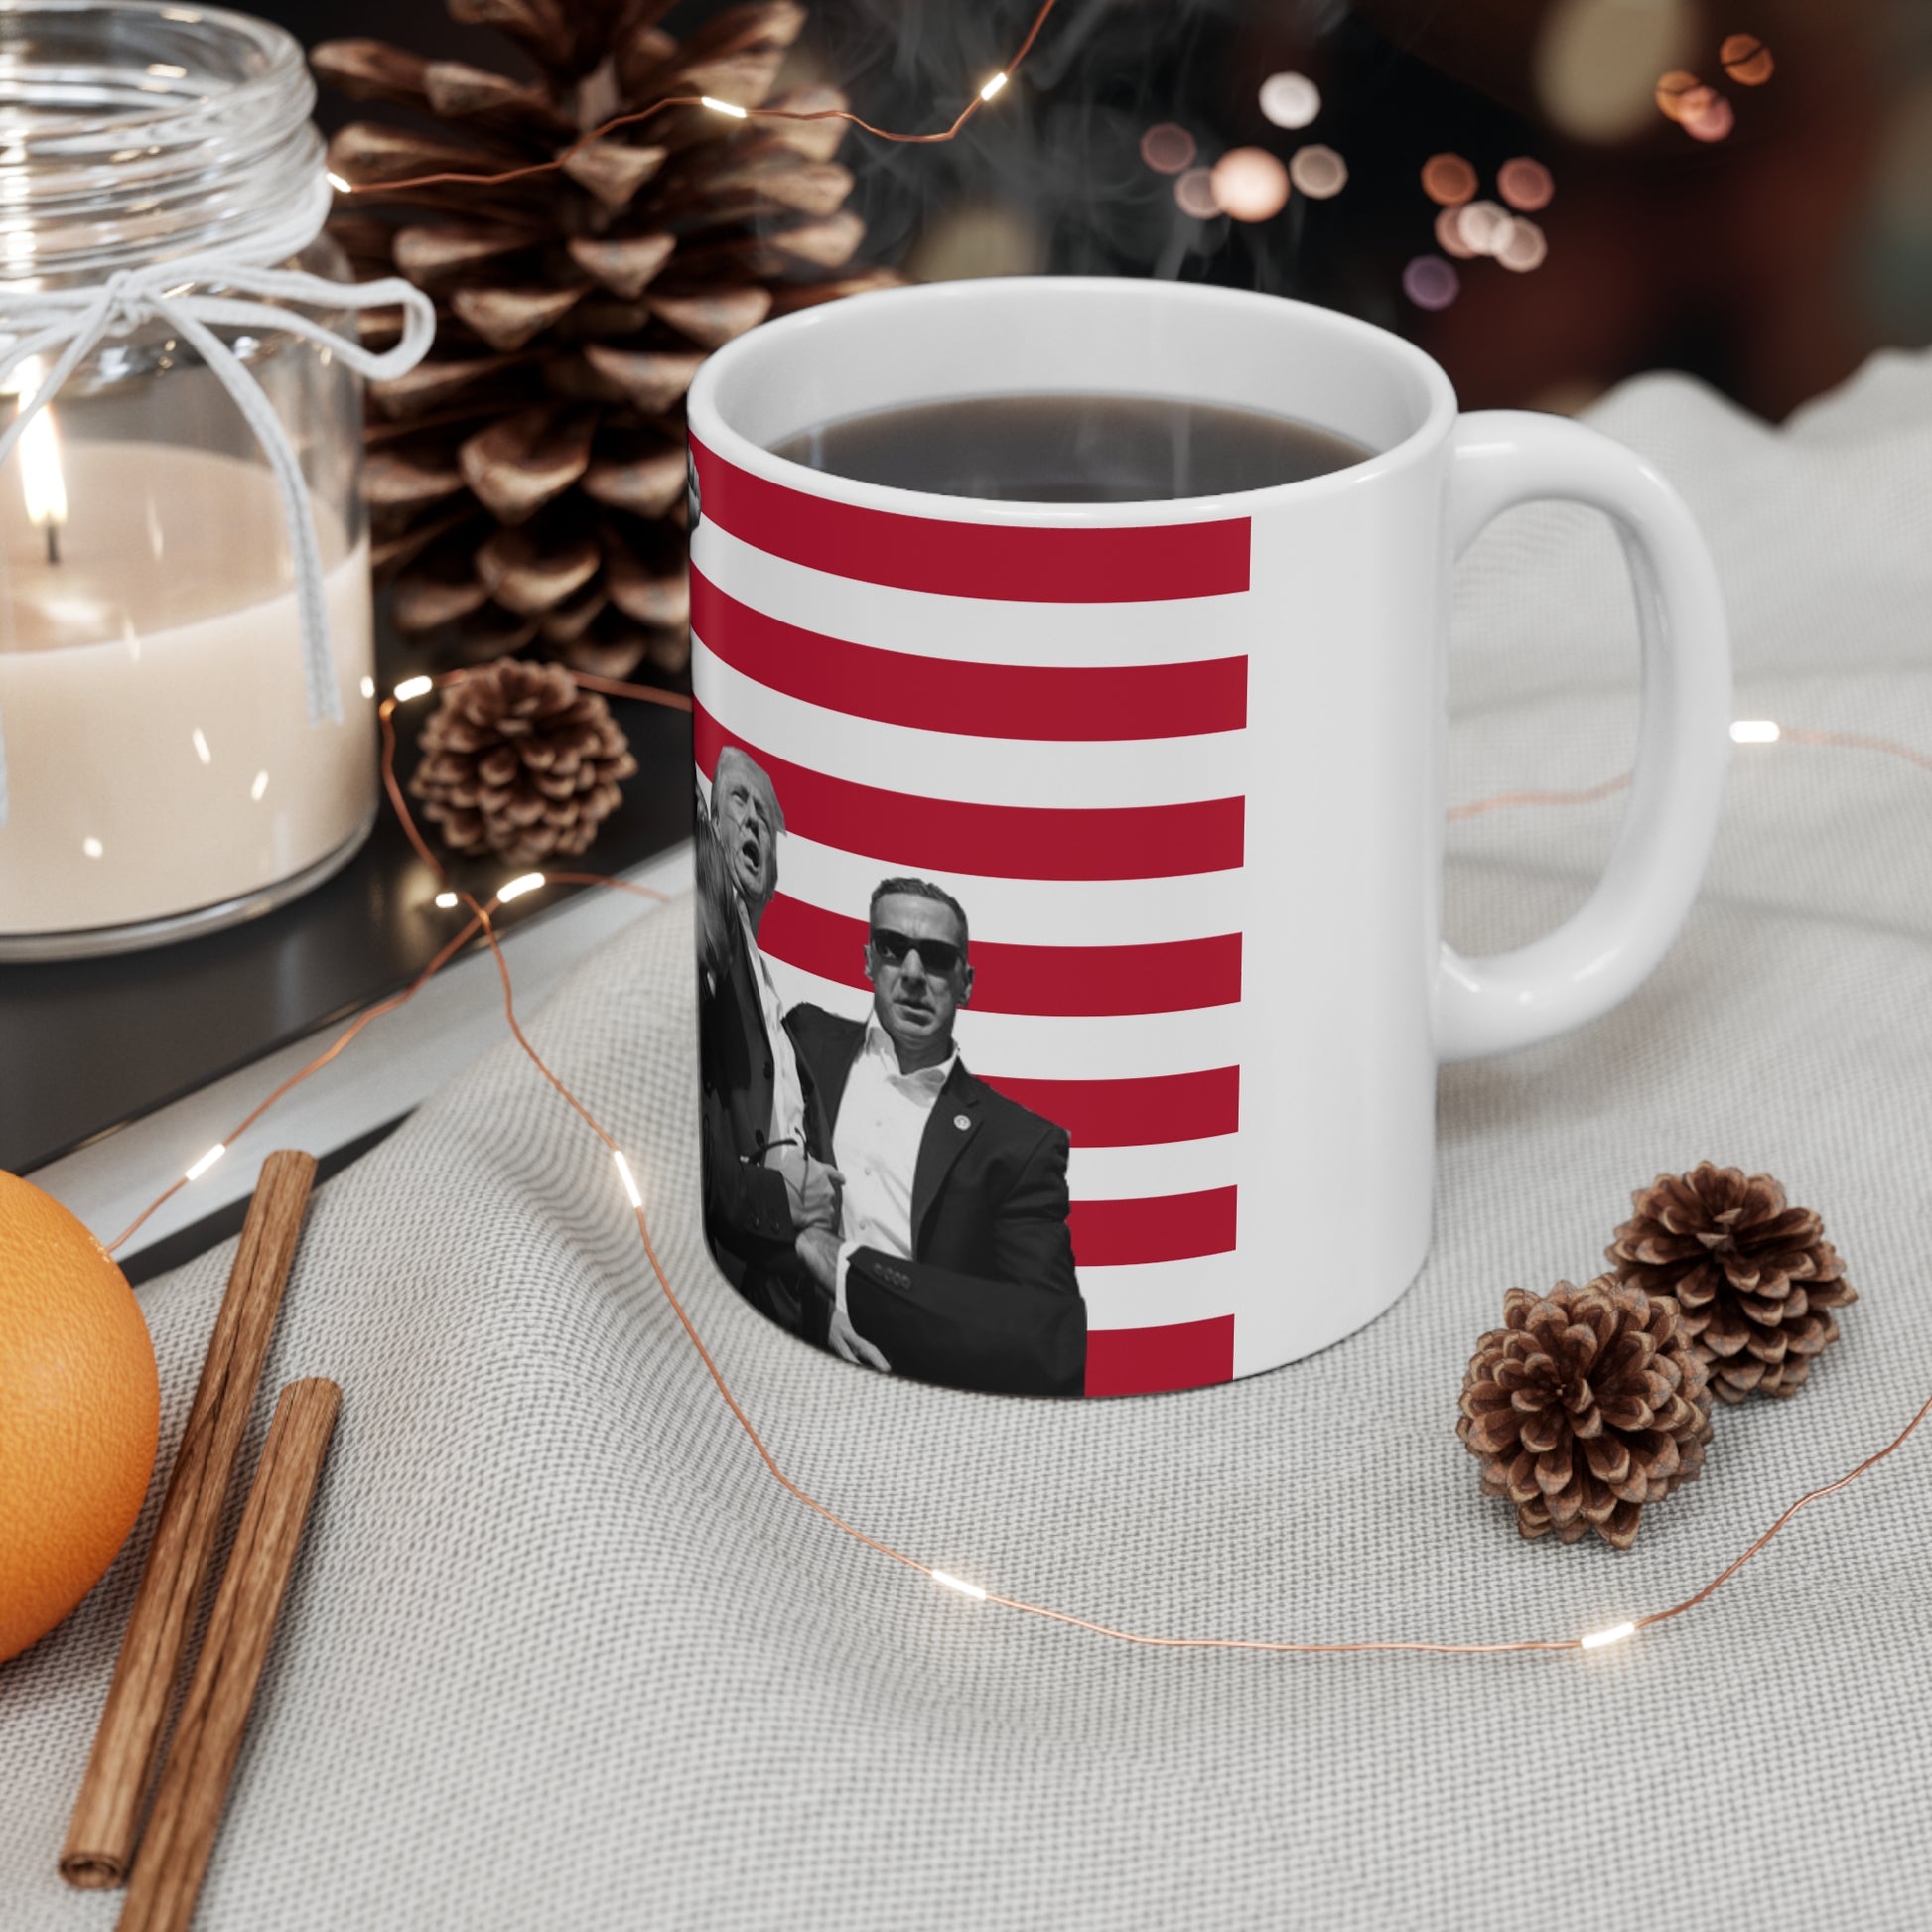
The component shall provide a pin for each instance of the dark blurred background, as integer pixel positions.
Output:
(1768, 258)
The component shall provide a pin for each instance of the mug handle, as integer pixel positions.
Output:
(1604, 952)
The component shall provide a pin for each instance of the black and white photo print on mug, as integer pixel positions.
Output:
(1070, 661)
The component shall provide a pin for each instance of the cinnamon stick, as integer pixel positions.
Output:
(106, 1817)
(179, 1838)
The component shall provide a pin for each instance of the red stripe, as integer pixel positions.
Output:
(1007, 562)
(1146, 1361)
(1170, 977)
(1002, 841)
(979, 700)
(1165, 1227)
(1134, 1113)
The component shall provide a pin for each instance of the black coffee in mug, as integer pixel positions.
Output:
(1072, 449)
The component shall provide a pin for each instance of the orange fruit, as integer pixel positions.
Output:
(79, 1413)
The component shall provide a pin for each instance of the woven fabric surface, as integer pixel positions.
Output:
(561, 1653)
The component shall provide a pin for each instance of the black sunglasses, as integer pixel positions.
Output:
(940, 956)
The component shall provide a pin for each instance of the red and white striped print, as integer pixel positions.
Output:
(933, 701)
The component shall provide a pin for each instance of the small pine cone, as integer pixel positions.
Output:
(1756, 1280)
(1587, 1403)
(520, 762)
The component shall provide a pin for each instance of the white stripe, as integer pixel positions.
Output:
(970, 770)
(1169, 631)
(1034, 1046)
(1154, 1294)
(1027, 911)
(1148, 1173)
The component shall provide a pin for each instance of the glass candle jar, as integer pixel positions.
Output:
(169, 769)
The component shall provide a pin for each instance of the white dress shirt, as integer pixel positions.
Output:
(787, 1121)
(875, 1146)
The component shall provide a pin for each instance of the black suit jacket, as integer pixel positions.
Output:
(988, 1299)
(747, 1210)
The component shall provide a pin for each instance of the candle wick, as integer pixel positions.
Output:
(53, 541)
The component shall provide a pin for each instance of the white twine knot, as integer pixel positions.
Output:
(70, 324)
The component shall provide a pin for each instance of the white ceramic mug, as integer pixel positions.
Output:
(1181, 763)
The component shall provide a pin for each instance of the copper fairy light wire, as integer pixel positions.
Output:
(1508, 800)
(1744, 731)
(732, 110)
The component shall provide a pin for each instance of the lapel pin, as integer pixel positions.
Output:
(962, 1121)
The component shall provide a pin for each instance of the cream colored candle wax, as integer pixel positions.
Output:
(152, 696)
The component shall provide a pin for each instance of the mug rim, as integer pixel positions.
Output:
(708, 423)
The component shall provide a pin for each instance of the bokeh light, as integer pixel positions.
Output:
(1526, 246)
(1430, 283)
(1525, 184)
(1290, 100)
(1486, 227)
(1449, 235)
(1595, 63)
(1711, 119)
(1317, 172)
(1447, 179)
(1168, 147)
(1746, 60)
(1195, 190)
(1672, 91)
(1249, 184)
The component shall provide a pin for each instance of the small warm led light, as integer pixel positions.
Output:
(1290, 100)
(1168, 147)
(368, 687)
(444, 900)
(723, 107)
(993, 87)
(1194, 192)
(1430, 283)
(1448, 180)
(950, 1581)
(1249, 184)
(1317, 172)
(1614, 1634)
(413, 687)
(259, 787)
(631, 1184)
(1746, 60)
(206, 1161)
(336, 181)
(526, 882)
(1707, 115)
(92, 848)
(201, 751)
(1754, 731)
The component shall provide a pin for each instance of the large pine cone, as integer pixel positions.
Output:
(1586, 1405)
(528, 480)
(520, 762)
(1756, 1280)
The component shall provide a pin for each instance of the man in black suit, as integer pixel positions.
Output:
(955, 1262)
(763, 1189)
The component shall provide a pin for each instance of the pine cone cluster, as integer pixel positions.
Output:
(527, 482)
(518, 761)
(1755, 1279)
(1586, 1405)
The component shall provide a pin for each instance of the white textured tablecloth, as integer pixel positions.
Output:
(560, 1654)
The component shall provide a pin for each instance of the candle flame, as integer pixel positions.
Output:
(42, 480)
